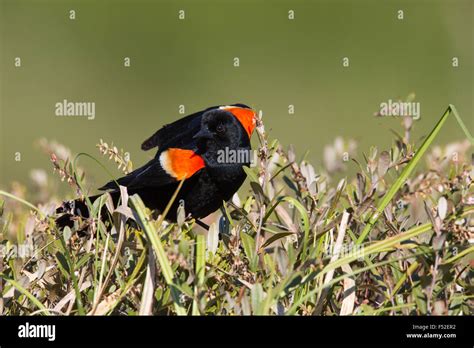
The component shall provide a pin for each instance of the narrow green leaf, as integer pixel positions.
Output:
(403, 176)
(139, 212)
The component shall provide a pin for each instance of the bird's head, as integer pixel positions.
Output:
(225, 128)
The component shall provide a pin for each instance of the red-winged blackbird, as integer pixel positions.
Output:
(208, 149)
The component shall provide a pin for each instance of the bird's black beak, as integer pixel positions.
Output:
(203, 134)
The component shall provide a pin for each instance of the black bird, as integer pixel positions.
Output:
(207, 149)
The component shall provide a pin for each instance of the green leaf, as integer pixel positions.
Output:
(139, 212)
(257, 298)
(248, 244)
(251, 174)
(275, 237)
(67, 233)
(304, 220)
(406, 173)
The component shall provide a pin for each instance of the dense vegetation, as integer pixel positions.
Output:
(385, 241)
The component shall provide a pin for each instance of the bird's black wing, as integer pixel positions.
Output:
(177, 134)
(149, 175)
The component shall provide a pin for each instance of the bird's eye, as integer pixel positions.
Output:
(220, 128)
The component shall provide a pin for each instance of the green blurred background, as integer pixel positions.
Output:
(190, 62)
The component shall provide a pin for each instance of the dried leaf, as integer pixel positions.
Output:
(442, 207)
(213, 238)
(384, 163)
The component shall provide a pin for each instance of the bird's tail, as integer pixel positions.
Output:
(72, 209)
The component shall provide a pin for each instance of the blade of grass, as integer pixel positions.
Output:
(305, 223)
(25, 292)
(293, 309)
(78, 177)
(335, 255)
(146, 303)
(139, 211)
(386, 309)
(136, 274)
(371, 249)
(200, 269)
(461, 124)
(102, 268)
(459, 255)
(28, 204)
(72, 273)
(406, 173)
(402, 279)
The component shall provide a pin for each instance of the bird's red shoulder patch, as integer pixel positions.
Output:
(247, 117)
(181, 164)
